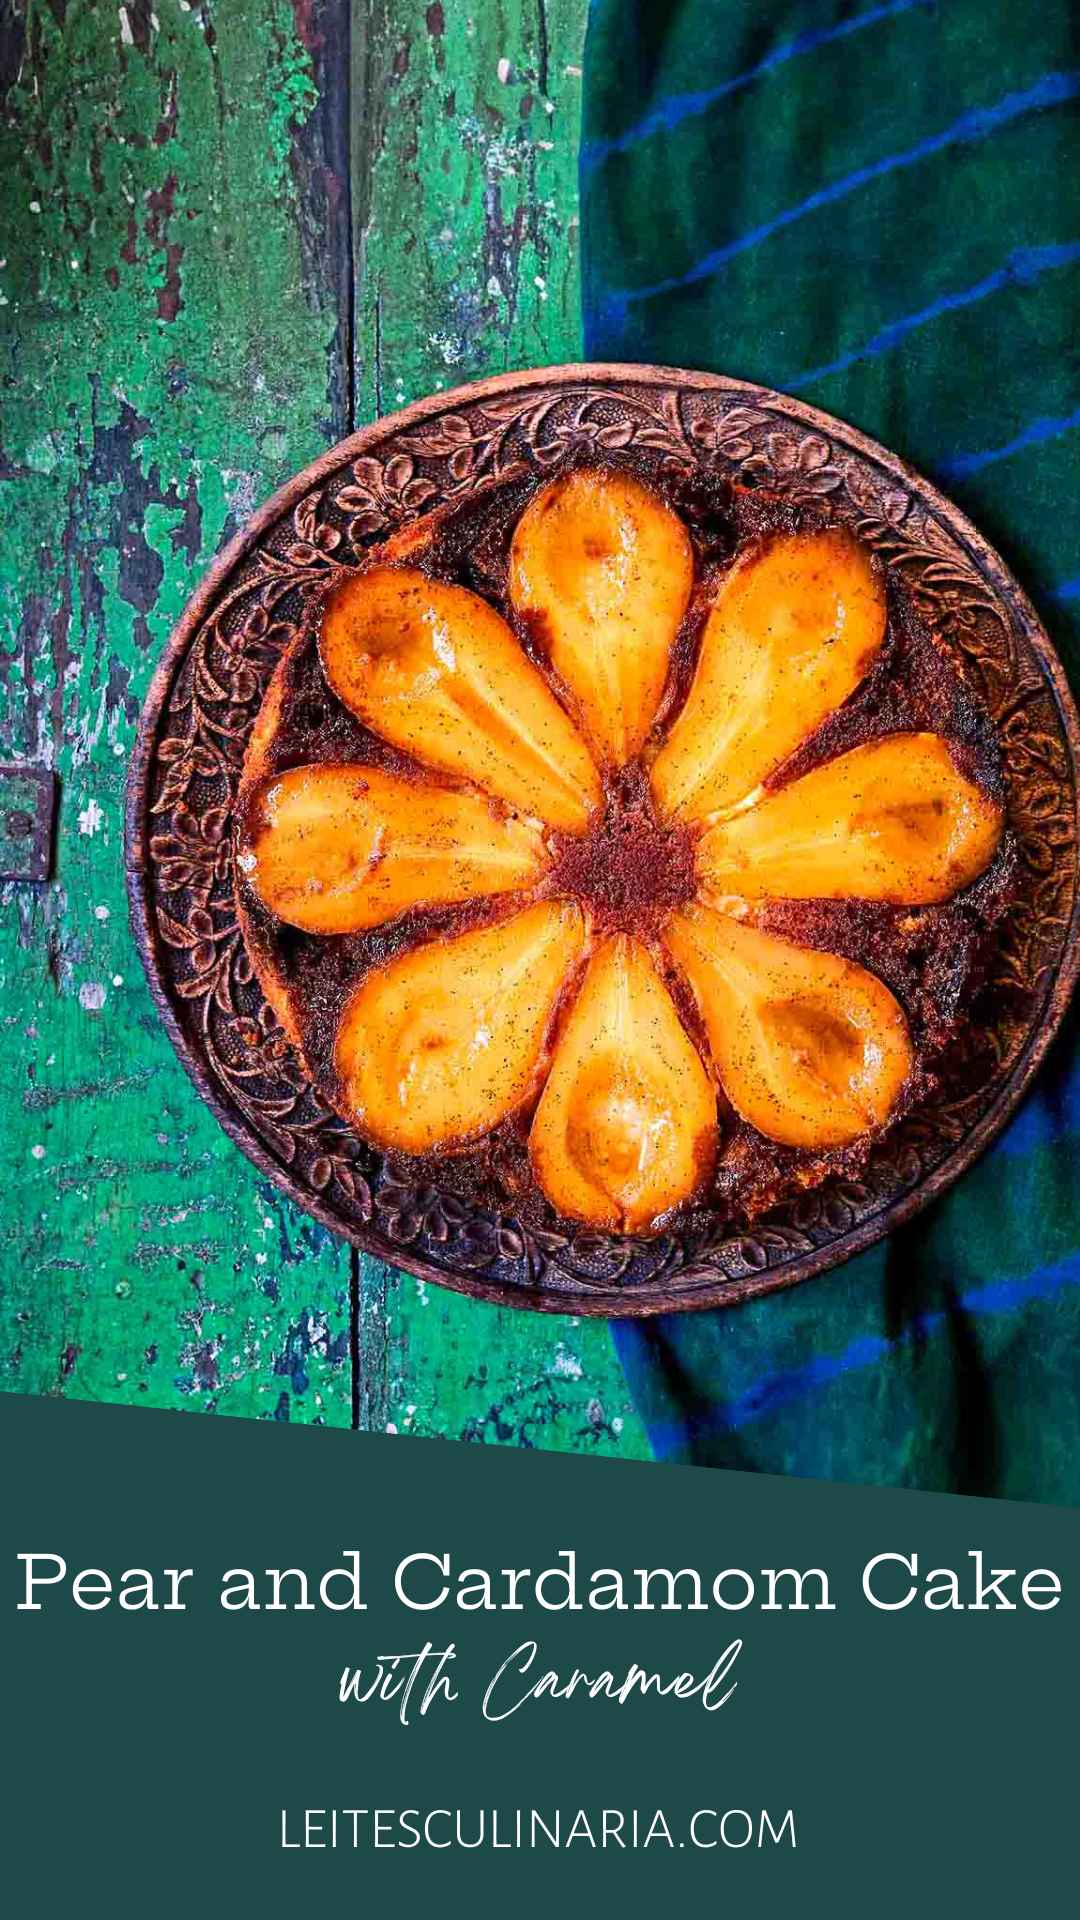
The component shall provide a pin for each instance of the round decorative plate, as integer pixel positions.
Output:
(208, 688)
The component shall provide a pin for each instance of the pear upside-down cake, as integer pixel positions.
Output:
(615, 850)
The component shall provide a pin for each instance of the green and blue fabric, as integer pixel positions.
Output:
(876, 207)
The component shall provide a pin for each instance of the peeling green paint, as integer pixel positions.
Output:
(293, 97)
(179, 337)
(469, 258)
(156, 347)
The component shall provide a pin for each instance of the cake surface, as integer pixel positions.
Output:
(617, 852)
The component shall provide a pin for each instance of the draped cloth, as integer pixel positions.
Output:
(876, 208)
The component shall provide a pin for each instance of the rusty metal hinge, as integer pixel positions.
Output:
(27, 811)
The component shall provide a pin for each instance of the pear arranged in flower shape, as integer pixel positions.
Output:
(524, 736)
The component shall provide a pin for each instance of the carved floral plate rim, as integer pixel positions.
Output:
(207, 688)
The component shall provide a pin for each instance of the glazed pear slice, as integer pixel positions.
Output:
(626, 1126)
(795, 626)
(433, 669)
(894, 820)
(812, 1050)
(438, 1046)
(335, 849)
(601, 571)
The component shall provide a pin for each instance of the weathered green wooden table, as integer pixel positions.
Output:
(232, 230)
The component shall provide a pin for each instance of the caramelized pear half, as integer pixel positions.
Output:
(335, 849)
(811, 1049)
(894, 820)
(795, 626)
(626, 1126)
(437, 1047)
(434, 670)
(601, 571)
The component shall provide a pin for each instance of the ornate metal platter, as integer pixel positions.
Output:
(207, 691)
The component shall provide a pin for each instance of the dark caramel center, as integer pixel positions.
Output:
(629, 870)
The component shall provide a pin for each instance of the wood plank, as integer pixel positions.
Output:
(175, 315)
(466, 133)
(178, 341)
(465, 142)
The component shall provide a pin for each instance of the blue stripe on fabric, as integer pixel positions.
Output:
(1033, 435)
(1021, 269)
(676, 107)
(1069, 589)
(979, 122)
(781, 1389)
(1042, 1122)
